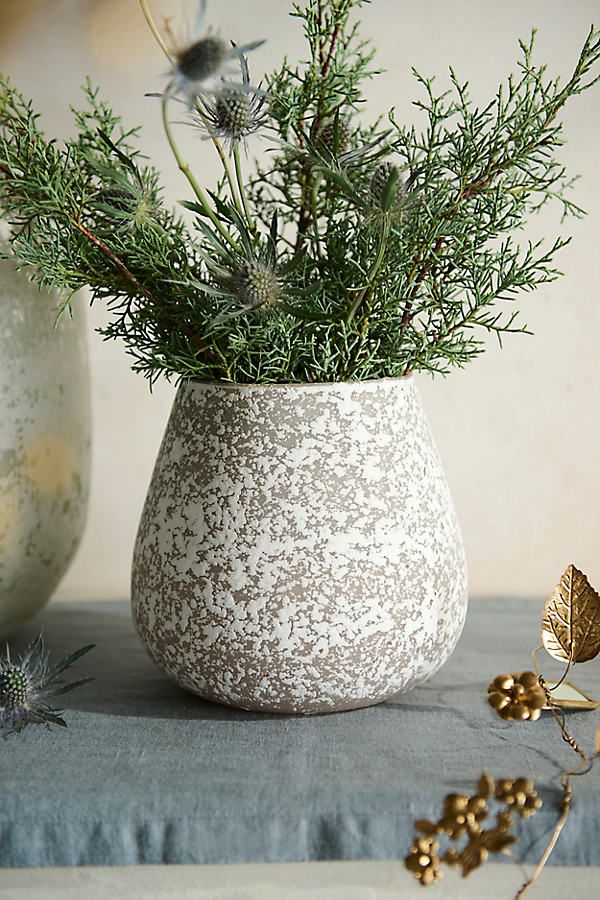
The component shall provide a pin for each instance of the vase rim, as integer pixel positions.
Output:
(298, 385)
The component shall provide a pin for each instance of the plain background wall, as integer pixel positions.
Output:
(518, 430)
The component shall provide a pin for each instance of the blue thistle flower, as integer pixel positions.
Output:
(253, 277)
(388, 190)
(125, 194)
(26, 686)
(389, 194)
(200, 67)
(232, 115)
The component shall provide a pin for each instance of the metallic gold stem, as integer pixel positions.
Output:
(565, 809)
(537, 669)
(584, 767)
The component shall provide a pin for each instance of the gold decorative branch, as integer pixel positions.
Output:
(571, 634)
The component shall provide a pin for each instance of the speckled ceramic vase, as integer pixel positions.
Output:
(44, 444)
(299, 551)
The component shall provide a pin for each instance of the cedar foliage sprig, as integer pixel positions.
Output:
(359, 252)
(90, 213)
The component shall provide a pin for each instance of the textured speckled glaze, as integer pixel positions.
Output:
(298, 551)
(44, 444)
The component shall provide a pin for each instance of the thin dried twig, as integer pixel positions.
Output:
(584, 766)
(564, 813)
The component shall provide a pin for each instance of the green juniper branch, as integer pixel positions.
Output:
(362, 251)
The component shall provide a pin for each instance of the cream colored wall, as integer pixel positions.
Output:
(518, 430)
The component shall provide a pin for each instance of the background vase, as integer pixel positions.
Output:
(44, 444)
(298, 551)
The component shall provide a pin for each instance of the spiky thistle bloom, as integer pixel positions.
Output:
(125, 196)
(26, 686)
(233, 115)
(330, 149)
(124, 202)
(257, 284)
(202, 65)
(335, 138)
(249, 281)
(333, 153)
(252, 277)
(389, 192)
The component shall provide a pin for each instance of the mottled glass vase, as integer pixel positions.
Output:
(299, 551)
(44, 444)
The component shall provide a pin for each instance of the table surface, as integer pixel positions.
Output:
(146, 773)
(290, 881)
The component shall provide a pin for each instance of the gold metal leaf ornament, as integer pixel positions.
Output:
(571, 620)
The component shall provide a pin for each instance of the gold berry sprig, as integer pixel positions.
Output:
(462, 823)
(570, 633)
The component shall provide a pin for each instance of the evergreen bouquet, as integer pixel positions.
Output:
(361, 251)
(298, 551)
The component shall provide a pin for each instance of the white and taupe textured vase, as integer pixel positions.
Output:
(299, 551)
(44, 444)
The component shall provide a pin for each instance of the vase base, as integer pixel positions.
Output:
(314, 708)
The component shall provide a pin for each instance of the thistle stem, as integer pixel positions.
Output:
(314, 203)
(155, 30)
(217, 143)
(375, 268)
(242, 188)
(184, 167)
(223, 157)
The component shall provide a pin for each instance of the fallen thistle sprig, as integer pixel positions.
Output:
(27, 685)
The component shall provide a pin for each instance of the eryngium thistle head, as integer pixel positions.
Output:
(126, 207)
(202, 64)
(26, 686)
(13, 687)
(257, 284)
(202, 60)
(379, 182)
(335, 137)
(234, 114)
(116, 198)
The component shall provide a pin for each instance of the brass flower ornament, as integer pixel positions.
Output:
(517, 696)
(571, 634)
(463, 815)
(423, 861)
(519, 795)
